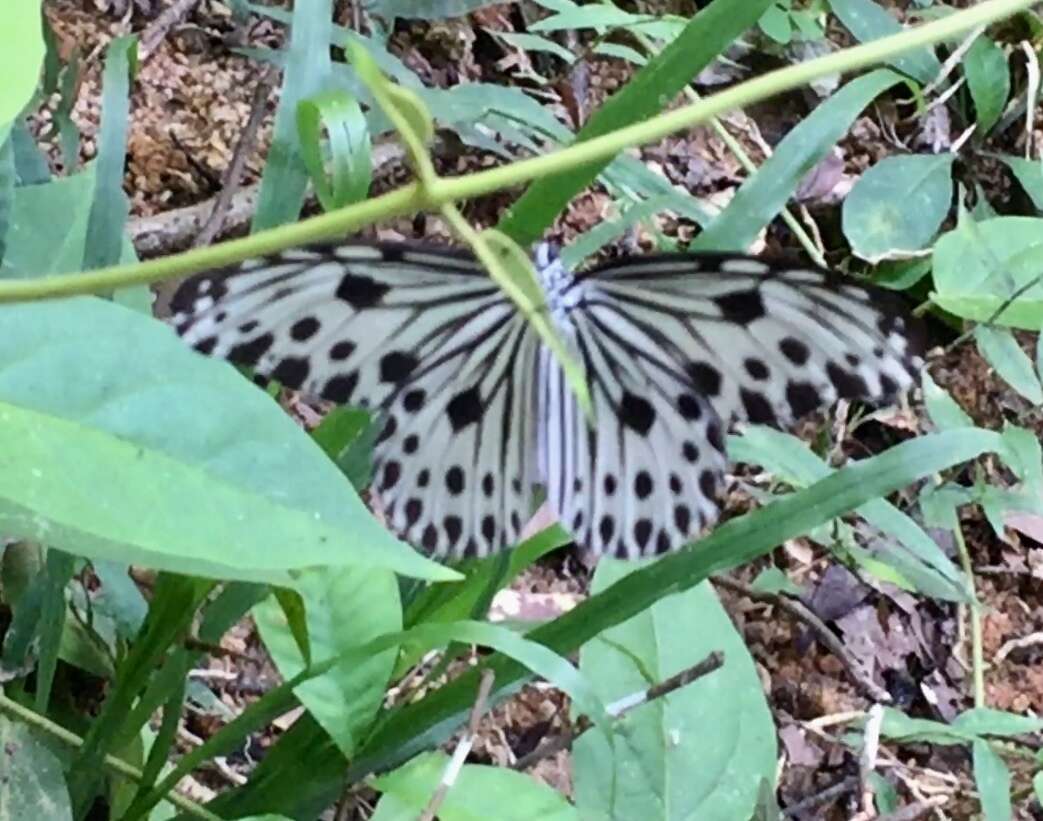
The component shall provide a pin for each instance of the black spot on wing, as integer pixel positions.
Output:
(794, 350)
(636, 413)
(340, 388)
(361, 291)
(291, 372)
(464, 409)
(304, 329)
(741, 307)
(250, 353)
(396, 366)
(849, 385)
(342, 350)
(705, 377)
(758, 408)
(803, 398)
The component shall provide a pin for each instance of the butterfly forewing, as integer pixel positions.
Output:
(762, 343)
(475, 409)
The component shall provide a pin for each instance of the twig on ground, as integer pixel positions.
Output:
(831, 792)
(170, 17)
(463, 748)
(869, 688)
(915, 810)
(622, 706)
(243, 149)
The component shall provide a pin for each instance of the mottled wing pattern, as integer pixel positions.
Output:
(677, 347)
(421, 336)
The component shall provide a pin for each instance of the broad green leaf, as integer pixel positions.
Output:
(898, 205)
(760, 199)
(345, 698)
(868, 21)
(988, 79)
(701, 751)
(992, 778)
(21, 55)
(1001, 350)
(32, 785)
(479, 792)
(109, 451)
(992, 271)
(773, 580)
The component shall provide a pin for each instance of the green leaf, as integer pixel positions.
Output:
(651, 89)
(773, 580)
(33, 785)
(414, 727)
(897, 726)
(992, 778)
(987, 721)
(80, 414)
(479, 792)
(49, 225)
(426, 9)
(701, 751)
(1037, 786)
(8, 178)
(21, 56)
(109, 206)
(349, 148)
(911, 549)
(898, 205)
(1029, 174)
(980, 267)
(345, 698)
(775, 22)
(347, 435)
(1001, 350)
(306, 73)
(942, 408)
(988, 80)
(763, 196)
(868, 21)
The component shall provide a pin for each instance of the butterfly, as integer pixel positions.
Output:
(475, 411)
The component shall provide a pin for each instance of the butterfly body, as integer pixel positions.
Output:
(476, 410)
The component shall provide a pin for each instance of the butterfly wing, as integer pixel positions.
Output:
(678, 346)
(421, 336)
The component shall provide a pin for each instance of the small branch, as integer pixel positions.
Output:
(915, 810)
(619, 708)
(243, 149)
(869, 688)
(170, 17)
(843, 786)
(463, 748)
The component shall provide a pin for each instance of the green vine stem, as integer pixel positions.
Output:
(412, 197)
(117, 765)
